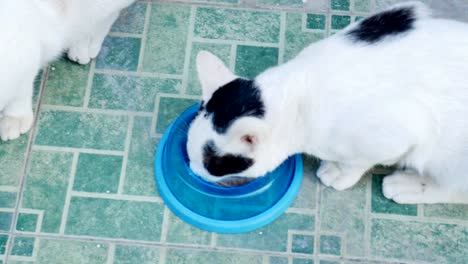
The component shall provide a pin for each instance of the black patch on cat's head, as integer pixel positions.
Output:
(387, 23)
(236, 99)
(223, 165)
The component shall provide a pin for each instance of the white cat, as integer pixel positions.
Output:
(390, 89)
(34, 32)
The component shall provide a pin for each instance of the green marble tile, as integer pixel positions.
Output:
(344, 212)
(12, 156)
(295, 39)
(288, 3)
(26, 222)
(316, 21)
(271, 237)
(167, 39)
(5, 221)
(180, 232)
(340, 22)
(139, 179)
(342, 5)
(362, 5)
(114, 218)
(302, 244)
(251, 61)
(306, 199)
(7, 199)
(98, 173)
(46, 186)
(23, 246)
(236, 24)
(413, 241)
(53, 251)
(3, 243)
(82, 130)
(131, 19)
(302, 261)
(186, 256)
(357, 18)
(130, 93)
(380, 204)
(169, 109)
(221, 50)
(135, 255)
(66, 83)
(278, 260)
(447, 211)
(118, 53)
(330, 245)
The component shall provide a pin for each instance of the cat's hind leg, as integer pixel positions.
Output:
(407, 187)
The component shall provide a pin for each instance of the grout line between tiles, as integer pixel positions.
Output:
(89, 84)
(165, 225)
(124, 197)
(318, 202)
(144, 37)
(214, 240)
(71, 180)
(367, 221)
(123, 169)
(408, 218)
(232, 58)
(139, 74)
(282, 38)
(81, 150)
(94, 111)
(236, 42)
(111, 253)
(32, 135)
(188, 49)
(162, 255)
(125, 35)
(7, 188)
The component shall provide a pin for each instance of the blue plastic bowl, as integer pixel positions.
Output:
(215, 208)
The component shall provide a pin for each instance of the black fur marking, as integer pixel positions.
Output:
(236, 99)
(223, 165)
(387, 23)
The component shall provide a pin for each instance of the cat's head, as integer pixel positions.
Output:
(227, 136)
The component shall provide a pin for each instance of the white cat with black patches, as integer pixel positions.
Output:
(34, 32)
(391, 89)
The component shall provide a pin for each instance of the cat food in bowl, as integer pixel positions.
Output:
(211, 206)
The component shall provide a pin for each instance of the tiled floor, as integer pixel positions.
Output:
(79, 188)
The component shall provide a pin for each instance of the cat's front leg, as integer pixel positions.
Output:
(88, 46)
(340, 176)
(17, 116)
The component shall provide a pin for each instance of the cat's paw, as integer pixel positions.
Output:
(79, 53)
(12, 127)
(406, 188)
(332, 175)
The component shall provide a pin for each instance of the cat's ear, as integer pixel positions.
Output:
(249, 131)
(212, 73)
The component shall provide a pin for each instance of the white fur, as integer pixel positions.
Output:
(34, 32)
(402, 100)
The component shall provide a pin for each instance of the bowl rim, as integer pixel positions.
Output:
(224, 226)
